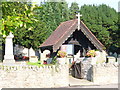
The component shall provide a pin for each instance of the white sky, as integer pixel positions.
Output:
(111, 3)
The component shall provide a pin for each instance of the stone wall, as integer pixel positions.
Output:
(105, 74)
(34, 77)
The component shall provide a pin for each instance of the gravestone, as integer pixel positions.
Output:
(110, 53)
(43, 55)
(115, 55)
(111, 59)
(118, 55)
(33, 59)
(31, 52)
(9, 57)
(118, 59)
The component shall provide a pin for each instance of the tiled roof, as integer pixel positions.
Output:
(64, 30)
(60, 31)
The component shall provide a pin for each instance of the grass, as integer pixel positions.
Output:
(38, 64)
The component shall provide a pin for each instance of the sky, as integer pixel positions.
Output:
(111, 3)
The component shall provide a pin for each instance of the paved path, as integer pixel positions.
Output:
(96, 86)
(75, 82)
(82, 83)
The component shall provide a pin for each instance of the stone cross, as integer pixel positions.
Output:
(78, 15)
(9, 57)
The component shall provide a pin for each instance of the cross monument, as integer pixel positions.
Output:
(78, 15)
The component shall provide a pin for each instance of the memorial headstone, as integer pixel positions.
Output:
(43, 55)
(110, 53)
(31, 52)
(111, 59)
(9, 57)
(115, 55)
(33, 59)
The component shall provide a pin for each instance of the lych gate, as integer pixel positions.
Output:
(68, 34)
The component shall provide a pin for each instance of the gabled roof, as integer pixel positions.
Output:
(64, 30)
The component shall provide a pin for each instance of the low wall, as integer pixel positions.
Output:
(105, 74)
(34, 77)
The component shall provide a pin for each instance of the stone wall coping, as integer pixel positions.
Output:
(30, 67)
(107, 65)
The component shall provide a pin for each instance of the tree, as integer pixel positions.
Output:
(74, 9)
(14, 18)
(53, 13)
(20, 18)
(102, 21)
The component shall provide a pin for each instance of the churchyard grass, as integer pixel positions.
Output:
(38, 64)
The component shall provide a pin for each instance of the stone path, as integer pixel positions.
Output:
(96, 86)
(82, 83)
(76, 82)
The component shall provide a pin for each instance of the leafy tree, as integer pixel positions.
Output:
(21, 19)
(32, 23)
(31, 37)
(53, 13)
(14, 18)
(74, 9)
(102, 21)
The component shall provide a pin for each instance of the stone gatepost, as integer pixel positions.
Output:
(9, 57)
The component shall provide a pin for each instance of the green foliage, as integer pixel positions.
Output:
(32, 24)
(39, 64)
(73, 10)
(15, 17)
(31, 37)
(102, 21)
(54, 60)
(22, 20)
(53, 13)
(36, 64)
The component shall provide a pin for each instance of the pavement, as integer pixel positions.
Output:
(95, 86)
(76, 82)
(82, 83)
